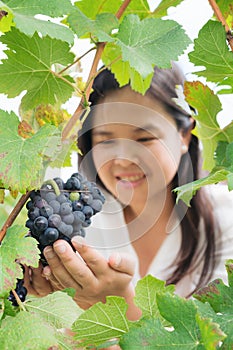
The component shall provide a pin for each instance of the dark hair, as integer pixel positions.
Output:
(163, 89)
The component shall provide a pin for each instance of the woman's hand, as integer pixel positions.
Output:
(89, 273)
(35, 283)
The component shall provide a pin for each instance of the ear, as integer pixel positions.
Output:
(185, 139)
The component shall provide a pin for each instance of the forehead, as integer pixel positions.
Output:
(130, 108)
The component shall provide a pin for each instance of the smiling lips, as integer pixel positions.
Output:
(131, 180)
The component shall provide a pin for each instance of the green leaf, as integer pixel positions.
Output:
(100, 28)
(91, 8)
(29, 67)
(102, 322)
(22, 159)
(16, 246)
(189, 330)
(211, 334)
(150, 42)
(220, 297)
(25, 21)
(57, 309)
(122, 70)
(146, 293)
(208, 105)
(27, 331)
(187, 191)
(161, 9)
(212, 52)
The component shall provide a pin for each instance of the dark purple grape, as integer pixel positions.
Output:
(56, 206)
(46, 211)
(54, 220)
(33, 213)
(86, 198)
(72, 184)
(40, 203)
(61, 198)
(77, 205)
(50, 196)
(79, 216)
(49, 236)
(29, 205)
(87, 211)
(66, 208)
(29, 224)
(96, 205)
(59, 182)
(40, 223)
(68, 219)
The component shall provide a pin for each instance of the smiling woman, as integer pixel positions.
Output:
(139, 148)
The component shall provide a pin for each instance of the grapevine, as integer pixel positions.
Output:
(58, 209)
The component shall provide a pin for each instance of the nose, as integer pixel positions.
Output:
(126, 154)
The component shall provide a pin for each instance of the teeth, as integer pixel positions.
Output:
(132, 178)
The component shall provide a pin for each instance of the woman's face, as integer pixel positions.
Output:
(136, 146)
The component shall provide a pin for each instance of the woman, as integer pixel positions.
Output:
(139, 148)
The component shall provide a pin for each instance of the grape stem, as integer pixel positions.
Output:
(19, 302)
(92, 74)
(54, 186)
(13, 215)
(221, 18)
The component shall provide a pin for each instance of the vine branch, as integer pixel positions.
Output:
(13, 215)
(100, 47)
(221, 18)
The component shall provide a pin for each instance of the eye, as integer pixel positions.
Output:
(147, 139)
(105, 142)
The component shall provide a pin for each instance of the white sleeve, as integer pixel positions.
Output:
(222, 201)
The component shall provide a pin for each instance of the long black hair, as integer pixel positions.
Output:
(190, 255)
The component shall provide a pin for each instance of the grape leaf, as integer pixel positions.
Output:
(161, 9)
(212, 52)
(208, 105)
(146, 292)
(100, 28)
(22, 159)
(189, 331)
(16, 246)
(29, 67)
(102, 322)
(58, 309)
(150, 42)
(220, 297)
(122, 70)
(91, 8)
(27, 331)
(187, 191)
(23, 17)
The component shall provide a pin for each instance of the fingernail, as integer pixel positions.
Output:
(46, 272)
(117, 259)
(48, 252)
(79, 241)
(60, 248)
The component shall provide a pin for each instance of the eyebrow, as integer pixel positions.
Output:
(144, 128)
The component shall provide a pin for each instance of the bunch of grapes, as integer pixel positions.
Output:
(62, 210)
(50, 114)
(20, 290)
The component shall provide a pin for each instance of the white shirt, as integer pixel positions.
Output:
(109, 233)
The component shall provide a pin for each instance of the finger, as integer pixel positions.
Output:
(66, 265)
(47, 273)
(38, 283)
(94, 260)
(122, 262)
